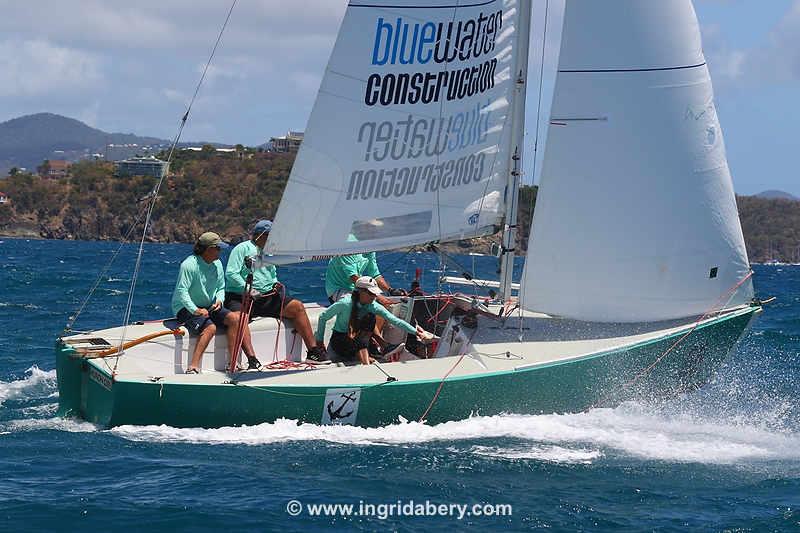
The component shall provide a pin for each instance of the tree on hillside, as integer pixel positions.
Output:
(44, 168)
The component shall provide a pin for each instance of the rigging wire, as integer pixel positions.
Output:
(154, 193)
(125, 239)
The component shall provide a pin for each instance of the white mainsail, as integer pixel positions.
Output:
(408, 140)
(636, 218)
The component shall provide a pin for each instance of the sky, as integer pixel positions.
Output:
(131, 67)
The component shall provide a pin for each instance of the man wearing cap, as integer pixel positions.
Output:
(270, 297)
(344, 270)
(355, 315)
(199, 294)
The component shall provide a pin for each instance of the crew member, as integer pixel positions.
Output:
(355, 315)
(198, 297)
(270, 297)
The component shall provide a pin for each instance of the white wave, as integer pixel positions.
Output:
(58, 423)
(548, 454)
(36, 381)
(622, 431)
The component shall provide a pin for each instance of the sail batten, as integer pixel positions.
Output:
(407, 142)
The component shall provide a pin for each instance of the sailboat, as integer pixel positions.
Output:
(636, 283)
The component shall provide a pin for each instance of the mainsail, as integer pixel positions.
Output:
(636, 218)
(408, 140)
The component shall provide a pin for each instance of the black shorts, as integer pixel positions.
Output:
(347, 347)
(196, 324)
(265, 306)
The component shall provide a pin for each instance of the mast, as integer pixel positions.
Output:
(515, 154)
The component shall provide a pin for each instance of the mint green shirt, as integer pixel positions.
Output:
(199, 284)
(264, 278)
(341, 310)
(341, 268)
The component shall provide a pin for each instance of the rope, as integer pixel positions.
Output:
(441, 384)
(669, 350)
(154, 193)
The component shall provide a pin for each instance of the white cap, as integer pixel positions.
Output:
(368, 283)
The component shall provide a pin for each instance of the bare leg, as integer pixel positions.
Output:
(247, 342)
(297, 314)
(363, 356)
(202, 343)
(232, 322)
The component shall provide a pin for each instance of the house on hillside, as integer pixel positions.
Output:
(287, 143)
(4, 198)
(55, 169)
(141, 166)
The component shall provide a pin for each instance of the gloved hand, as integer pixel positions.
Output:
(397, 292)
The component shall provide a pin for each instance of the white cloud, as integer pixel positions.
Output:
(777, 59)
(38, 67)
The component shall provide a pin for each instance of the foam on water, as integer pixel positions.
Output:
(34, 384)
(548, 454)
(58, 423)
(626, 430)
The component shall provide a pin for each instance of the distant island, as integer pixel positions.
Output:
(28, 140)
(227, 191)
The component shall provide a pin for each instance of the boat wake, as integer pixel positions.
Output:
(628, 431)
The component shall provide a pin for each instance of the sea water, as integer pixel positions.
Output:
(725, 457)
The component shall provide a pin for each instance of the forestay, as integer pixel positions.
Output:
(636, 218)
(408, 139)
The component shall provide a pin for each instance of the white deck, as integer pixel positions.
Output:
(495, 347)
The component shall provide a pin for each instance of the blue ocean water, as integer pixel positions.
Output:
(726, 457)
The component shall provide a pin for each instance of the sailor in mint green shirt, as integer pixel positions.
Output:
(354, 345)
(200, 284)
(198, 297)
(264, 278)
(269, 297)
(344, 270)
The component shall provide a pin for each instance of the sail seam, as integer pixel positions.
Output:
(654, 69)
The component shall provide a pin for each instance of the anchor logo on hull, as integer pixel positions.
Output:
(337, 414)
(341, 406)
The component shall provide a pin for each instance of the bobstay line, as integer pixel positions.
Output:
(406, 181)
(430, 87)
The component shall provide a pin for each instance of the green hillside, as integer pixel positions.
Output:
(229, 192)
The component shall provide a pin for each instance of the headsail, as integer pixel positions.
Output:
(636, 218)
(408, 139)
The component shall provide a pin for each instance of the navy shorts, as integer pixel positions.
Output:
(196, 324)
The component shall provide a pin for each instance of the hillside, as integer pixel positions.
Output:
(27, 141)
(224, 193)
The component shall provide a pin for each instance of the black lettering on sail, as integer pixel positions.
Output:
(383, 135)
(437, 147)
(466, 43)
(387, 185)
(364, 127)
(401, 184)
(368, 184)
(447, 175)
(355, 184)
